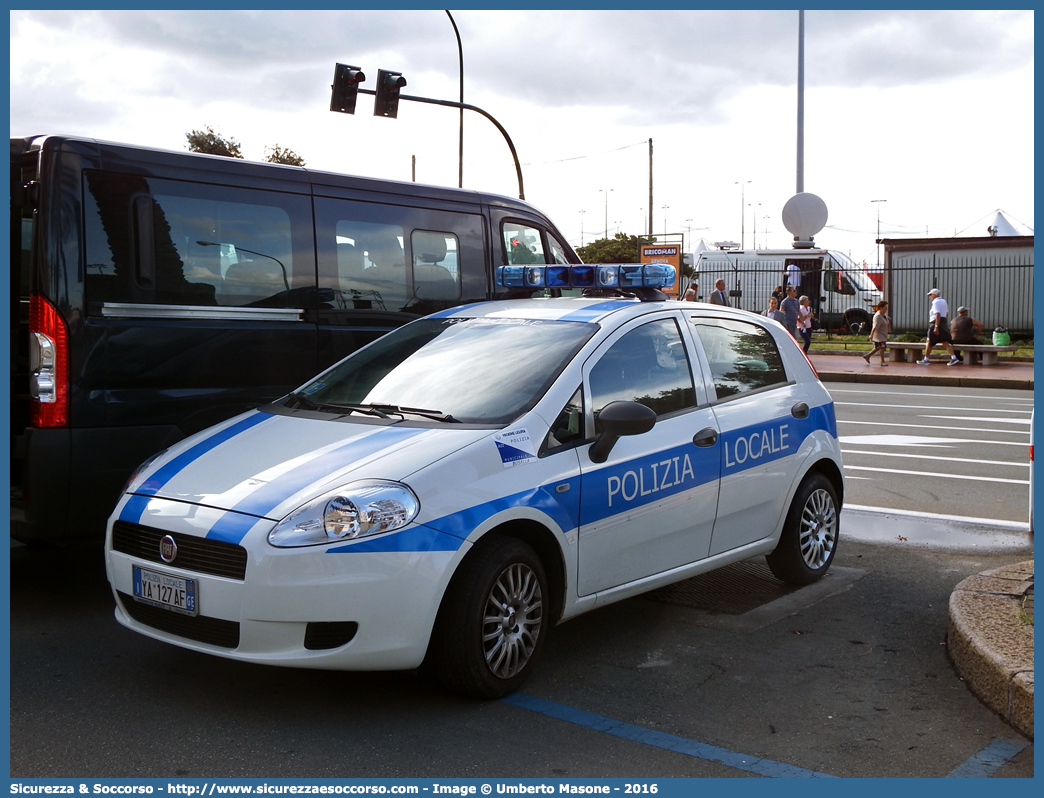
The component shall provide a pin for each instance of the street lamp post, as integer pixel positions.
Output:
(665, 207)
(606, 192)
(460, 61)
(878, 203)
(743, 212)
(754, 221)
(582, 212)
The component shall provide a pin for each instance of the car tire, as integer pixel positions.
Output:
(809, 539)
(493, 620)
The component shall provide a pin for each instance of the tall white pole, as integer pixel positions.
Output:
(801, 104)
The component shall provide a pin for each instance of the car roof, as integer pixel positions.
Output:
(576, 309)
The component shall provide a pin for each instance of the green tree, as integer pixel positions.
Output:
(283, 155)
(621, 248)
(212, 143)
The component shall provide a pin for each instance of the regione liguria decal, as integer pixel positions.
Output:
(515, 447)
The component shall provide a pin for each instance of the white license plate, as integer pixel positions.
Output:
(166, 591)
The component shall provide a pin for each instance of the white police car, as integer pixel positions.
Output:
(457, 487)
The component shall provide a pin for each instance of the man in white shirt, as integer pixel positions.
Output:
(938, 329)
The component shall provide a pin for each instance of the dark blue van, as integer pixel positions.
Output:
(155, 293)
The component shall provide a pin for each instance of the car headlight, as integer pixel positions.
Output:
(357, 510)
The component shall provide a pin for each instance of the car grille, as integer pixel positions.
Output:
(214, 631)
(215, 557)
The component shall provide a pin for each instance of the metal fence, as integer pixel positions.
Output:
(995, 285)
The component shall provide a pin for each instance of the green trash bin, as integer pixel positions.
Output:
(1001, 337)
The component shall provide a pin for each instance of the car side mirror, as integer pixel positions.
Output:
(615, 420)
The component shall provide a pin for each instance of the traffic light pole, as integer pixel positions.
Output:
(465, 106)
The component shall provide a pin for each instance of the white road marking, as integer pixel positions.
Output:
(929, 426)
(1025, 421)
(1019, 399)
(919, 456)
(936, 407)
(1017, 525)
(938, 475)
(904, 440)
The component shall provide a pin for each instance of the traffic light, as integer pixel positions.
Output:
(388, 85)
(345, 88)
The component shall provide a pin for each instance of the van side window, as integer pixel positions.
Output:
(371, 265)
(522, 243)
(743, 357)
(166, 242)
(435, 271)
(557, 250)
(837, 282)
(397, 258)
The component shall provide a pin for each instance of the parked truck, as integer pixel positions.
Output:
(842, 295)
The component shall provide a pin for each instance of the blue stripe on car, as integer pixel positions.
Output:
(592, 312)
(419, 537)
(618, 488)
(231, 527)
(135, 506)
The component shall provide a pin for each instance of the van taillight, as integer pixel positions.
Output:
(49, 363)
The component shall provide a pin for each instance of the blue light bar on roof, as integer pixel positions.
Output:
(627, 275)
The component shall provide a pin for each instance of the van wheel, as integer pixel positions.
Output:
(491, 625)
(857, 323)
(809, 539)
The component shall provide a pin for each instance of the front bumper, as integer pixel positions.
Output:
(286, 596)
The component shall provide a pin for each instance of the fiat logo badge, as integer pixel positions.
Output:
(168, 549)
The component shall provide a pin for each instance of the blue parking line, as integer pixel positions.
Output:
(989, 759)
(670, 742)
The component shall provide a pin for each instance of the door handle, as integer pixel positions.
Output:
(705, 437)
(800, 410)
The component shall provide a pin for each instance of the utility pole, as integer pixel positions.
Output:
(650, 227)
(878, 203)
(743, 210)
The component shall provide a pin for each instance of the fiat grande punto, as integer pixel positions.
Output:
(446, 495)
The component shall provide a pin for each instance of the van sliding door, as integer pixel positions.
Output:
(199, 297)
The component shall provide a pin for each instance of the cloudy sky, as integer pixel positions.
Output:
(931, 111)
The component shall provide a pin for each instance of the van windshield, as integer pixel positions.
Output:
(472, 370)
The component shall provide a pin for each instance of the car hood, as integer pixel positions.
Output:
(268, 465)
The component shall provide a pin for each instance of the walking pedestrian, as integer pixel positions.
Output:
(790, 307)
(938, 329)
(879, 332)
(804, 323)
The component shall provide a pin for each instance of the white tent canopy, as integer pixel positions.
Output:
(997, 224)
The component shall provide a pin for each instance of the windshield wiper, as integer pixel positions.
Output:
(308, 404)
(435, 415)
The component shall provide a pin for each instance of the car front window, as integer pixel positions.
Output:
(475, 370)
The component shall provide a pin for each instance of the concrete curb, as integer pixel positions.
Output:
(910, 379)
(991, 645)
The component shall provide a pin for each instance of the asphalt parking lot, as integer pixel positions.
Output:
(846, 678)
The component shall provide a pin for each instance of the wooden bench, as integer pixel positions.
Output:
(904, 352)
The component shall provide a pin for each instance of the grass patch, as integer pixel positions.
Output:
(843, 342)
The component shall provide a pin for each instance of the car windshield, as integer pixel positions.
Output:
(472, 370)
